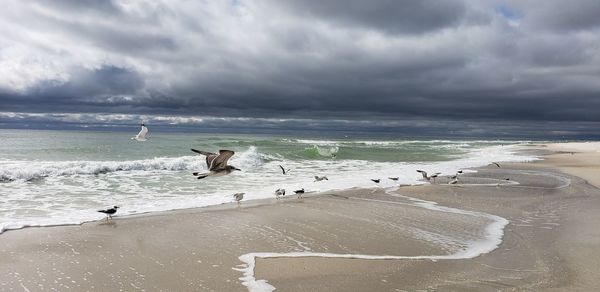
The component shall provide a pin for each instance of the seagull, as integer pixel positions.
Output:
(320, 178)
(284, 171)
(299, 192)
(109, 212)
(238, 197)
(394, 178)
(454, 181)
(279, 193)
(376, 180)
(496, 164)
(428, 177)
(141, 136)
(216, 163)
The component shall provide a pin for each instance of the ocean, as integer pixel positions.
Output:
(63, 177)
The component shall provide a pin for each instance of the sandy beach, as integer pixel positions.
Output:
(549, 243)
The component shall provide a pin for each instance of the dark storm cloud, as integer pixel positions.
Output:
(383, 15)
(318, 60)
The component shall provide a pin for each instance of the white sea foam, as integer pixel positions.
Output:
(44, 193)
(492, 238)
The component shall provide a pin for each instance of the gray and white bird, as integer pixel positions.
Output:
(216, 163)
(238, 197)
(283, 170)
(320, 178)
(394, 178)
(279, 193)
(428, 177)
(299, 193)
(109, 212)
(141, 136)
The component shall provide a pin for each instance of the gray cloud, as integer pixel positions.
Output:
(337, 60)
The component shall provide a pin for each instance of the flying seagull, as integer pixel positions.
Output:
(238, 197)
(109, 212)
(428, 177)
(279, 193)
(376, 180)
(216, 163)
(320, 178)
(141, 136)
(299, 192)
(283, 170)
(496, 164)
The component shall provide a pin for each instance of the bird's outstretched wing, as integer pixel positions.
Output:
(143, 132)
(220, 161)
(424, 173)
(209, 156)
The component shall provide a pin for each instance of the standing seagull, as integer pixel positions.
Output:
(109, 212)
(238, 197)
(320, 178)
(299, 192)
(283, 170)
(141, 136)
(216, 163)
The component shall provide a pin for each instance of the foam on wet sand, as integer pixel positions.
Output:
(550, 242)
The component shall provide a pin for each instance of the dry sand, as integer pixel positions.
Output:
(551, 243)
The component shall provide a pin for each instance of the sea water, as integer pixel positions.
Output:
(64, 177)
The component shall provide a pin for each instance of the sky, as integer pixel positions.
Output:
(470, 67)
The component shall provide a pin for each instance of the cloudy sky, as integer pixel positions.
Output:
(300, 63)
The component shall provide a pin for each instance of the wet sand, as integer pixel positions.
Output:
(551, 243)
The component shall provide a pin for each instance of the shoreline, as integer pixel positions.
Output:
(535, 251)
(86, 214)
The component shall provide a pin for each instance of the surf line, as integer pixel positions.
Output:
(490, 241)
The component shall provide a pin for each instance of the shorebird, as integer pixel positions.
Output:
(238, 197)
(109, 212)
(299, 193)
(216, 163)
(283, 170)
(279, 193)
(427, 177)
(141, 136)
(320, 178)
(496, 164)
(376, 180)
(394, 178)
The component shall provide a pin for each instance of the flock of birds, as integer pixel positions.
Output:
(217, 166)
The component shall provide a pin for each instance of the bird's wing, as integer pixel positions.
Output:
(143, 132)
(424, 173)
(282, 169)
(220, 161)
(209, 156)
